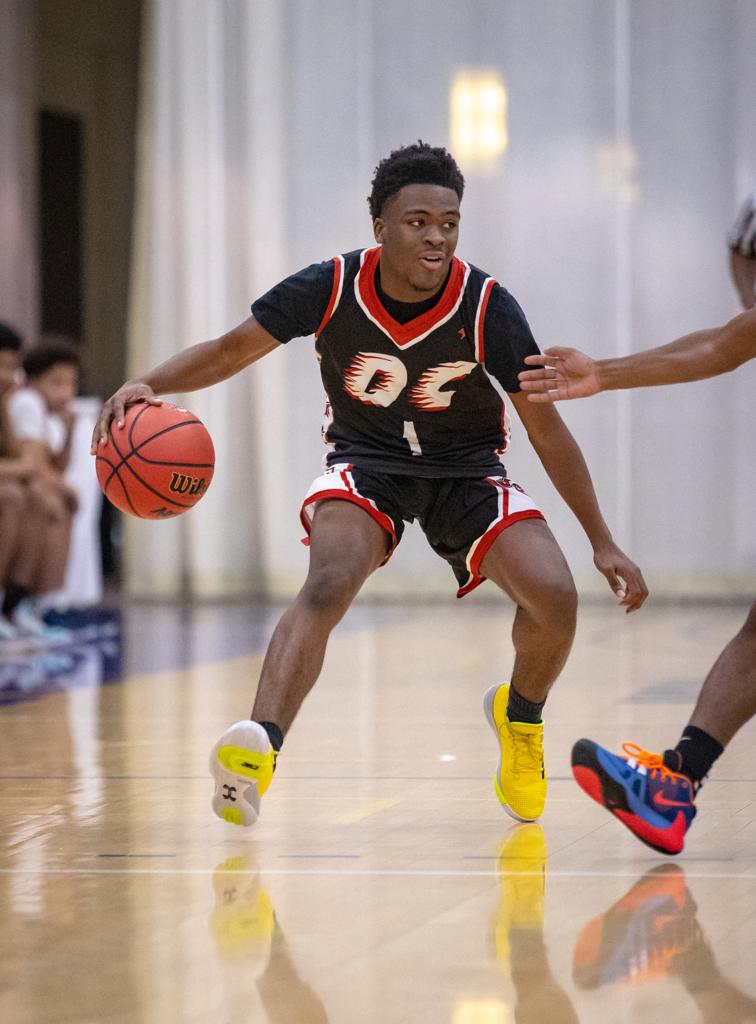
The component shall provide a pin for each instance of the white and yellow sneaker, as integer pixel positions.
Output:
(520, 779)
(242, 763)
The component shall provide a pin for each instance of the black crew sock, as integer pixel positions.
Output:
(694, 755)
(275, 735)
(15, 593)
(521, 710)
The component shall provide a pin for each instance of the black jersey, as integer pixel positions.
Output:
(407, 384)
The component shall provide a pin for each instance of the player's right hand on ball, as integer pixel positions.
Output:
(115, 408)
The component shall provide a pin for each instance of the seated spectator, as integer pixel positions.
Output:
(40, 424)
(14, 470)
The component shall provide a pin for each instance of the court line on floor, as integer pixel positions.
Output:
(368, 873)
(296, 778)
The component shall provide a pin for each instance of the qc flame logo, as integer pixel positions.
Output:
(378, 379)
(375, 378)
(427, 393)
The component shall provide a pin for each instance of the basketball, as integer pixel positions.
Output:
(159, 464)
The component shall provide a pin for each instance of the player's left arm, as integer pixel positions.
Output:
(564, 463)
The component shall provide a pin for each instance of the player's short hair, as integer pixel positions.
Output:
(43, 357)
(419, 164)
(10, 340)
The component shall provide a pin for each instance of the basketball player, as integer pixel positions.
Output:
(407, 335)
(653, 794)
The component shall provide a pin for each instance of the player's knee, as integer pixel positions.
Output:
(558, 602)
(330, 590)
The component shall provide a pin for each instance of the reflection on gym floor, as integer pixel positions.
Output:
(248, 934)
(384, 884)
(653, 932)
(92, 655)
(518, 930)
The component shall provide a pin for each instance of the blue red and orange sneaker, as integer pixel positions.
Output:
(654, 802)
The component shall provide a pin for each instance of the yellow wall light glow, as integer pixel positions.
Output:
(478, 118)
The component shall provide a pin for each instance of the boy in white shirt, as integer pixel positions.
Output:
(42, 421)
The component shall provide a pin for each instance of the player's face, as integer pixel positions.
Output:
(418, 229)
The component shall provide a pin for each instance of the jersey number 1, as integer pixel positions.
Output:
(410, 437)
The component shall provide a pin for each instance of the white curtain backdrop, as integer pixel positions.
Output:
(18, 193)
(631, 143)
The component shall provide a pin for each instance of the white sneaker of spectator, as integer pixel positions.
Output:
(29, 623)
(7, 630)
(12, 643)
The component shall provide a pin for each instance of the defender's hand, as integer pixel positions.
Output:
(624, 576)
(566, 373)
(115, 409)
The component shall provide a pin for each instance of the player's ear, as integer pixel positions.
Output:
(378, 228)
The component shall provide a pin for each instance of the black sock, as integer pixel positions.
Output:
(694, 755)
(521, 710)
(15, 593)
(275, 735)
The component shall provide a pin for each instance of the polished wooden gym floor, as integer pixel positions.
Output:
(383, 883)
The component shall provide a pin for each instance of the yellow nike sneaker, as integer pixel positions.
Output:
(520, 779)
(242, 763)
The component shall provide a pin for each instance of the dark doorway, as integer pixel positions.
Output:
(60, 224)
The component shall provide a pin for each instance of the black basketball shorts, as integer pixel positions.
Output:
(460, 517)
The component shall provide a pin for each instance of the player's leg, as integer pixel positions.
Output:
(527, 563)
(490, 528)
(728, 697)
(346, 545)
(653, 794)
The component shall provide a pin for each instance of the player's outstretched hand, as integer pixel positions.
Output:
(565, 373)
(624, 576)
(115, 409)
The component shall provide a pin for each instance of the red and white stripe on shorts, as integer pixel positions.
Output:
(338, 482)
(514, 505)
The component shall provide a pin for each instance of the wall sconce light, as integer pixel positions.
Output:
(478, 118)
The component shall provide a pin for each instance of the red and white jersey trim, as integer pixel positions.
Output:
(514, 505)
(338, 482)
(336, 290)
(405, 335)
(480, 319)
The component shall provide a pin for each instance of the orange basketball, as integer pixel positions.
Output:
(158, 464)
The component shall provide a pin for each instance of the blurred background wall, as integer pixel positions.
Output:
(621, 144)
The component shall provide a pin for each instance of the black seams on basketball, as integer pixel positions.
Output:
(159, 464)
